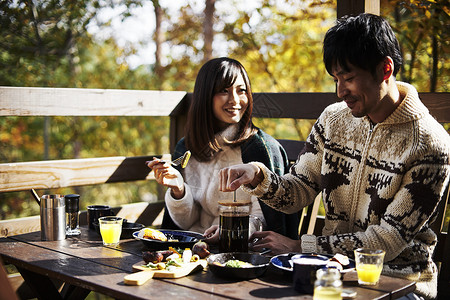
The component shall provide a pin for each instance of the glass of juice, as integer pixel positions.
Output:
(369, 263)
(110, 230)
(234, 226)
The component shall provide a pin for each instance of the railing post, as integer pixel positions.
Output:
(178, 118)
(355, 7)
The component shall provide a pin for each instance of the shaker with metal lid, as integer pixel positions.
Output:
(72, 214)
(328, 285)
(53, 219)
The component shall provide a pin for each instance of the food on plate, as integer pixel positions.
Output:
(156, 256)
(201, 249)
(234, 263)
(168, 259)
(338, 261)
(195, 258)
(154, 234)
(187, 255)
(342, 259)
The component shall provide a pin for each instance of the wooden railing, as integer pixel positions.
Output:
(54, 174)
(22, 176)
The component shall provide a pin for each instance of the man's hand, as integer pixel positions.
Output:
(212, 234)
(277, 243)
(231, 178)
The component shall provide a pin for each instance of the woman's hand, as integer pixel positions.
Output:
(275, 242)
(212, 234)
(167, 175)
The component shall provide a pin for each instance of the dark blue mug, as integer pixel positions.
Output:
(304, 271)
(96, 211)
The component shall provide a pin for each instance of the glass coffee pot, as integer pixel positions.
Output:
(234, 226)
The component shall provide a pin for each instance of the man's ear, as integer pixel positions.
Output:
(388, 67)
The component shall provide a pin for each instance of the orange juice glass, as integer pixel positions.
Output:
(110, 230)
(369, 263)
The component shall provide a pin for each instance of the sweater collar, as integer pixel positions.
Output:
(410, 109)
(228, 134)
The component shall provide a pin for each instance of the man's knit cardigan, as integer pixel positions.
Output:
(381, 185)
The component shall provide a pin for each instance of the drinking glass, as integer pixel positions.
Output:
(110, 230)
(369, 263)
(96, 211)
(255, 224)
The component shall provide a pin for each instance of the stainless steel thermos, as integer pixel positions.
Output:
(53, 217)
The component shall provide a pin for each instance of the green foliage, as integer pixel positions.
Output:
(279, 49)
(422, 30)
(38, 39)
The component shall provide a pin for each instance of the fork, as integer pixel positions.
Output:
(182, 160)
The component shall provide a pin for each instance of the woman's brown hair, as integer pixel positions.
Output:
(201, 127)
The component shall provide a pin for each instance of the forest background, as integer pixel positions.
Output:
(71, 44)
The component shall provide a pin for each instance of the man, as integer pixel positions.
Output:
(379, 158)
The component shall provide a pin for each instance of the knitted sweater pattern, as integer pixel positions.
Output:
(381, 185)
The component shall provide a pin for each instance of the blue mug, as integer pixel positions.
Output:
(304, 271)
(96, 211)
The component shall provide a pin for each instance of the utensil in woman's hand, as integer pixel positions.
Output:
(182, 160)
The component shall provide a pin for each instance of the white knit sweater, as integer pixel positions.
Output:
(380, 185)
(199, 208)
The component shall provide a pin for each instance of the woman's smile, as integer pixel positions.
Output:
(230, 104)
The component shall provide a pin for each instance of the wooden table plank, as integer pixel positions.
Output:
(84, 262)
(274, 284)
(90, 250)
(394, 287)
(87, 274)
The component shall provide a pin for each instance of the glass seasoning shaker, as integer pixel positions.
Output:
(72, 214)
(328, 285)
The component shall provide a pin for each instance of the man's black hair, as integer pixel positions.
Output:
(363, 41)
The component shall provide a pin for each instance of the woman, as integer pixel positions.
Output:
(219, 133)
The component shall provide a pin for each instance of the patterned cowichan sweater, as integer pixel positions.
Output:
(380, 186)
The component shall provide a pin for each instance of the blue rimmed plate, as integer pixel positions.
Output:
(284, 262)
(176, 239)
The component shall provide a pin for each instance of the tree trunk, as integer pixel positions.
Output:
(159, 72)
(434, 72)
(208, 30)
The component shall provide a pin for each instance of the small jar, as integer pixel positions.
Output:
(72, 214)
(328, 285)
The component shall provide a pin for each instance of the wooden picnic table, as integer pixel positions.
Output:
(83, 264)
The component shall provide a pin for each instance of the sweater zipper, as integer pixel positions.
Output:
(371, 127)
(356, 190)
